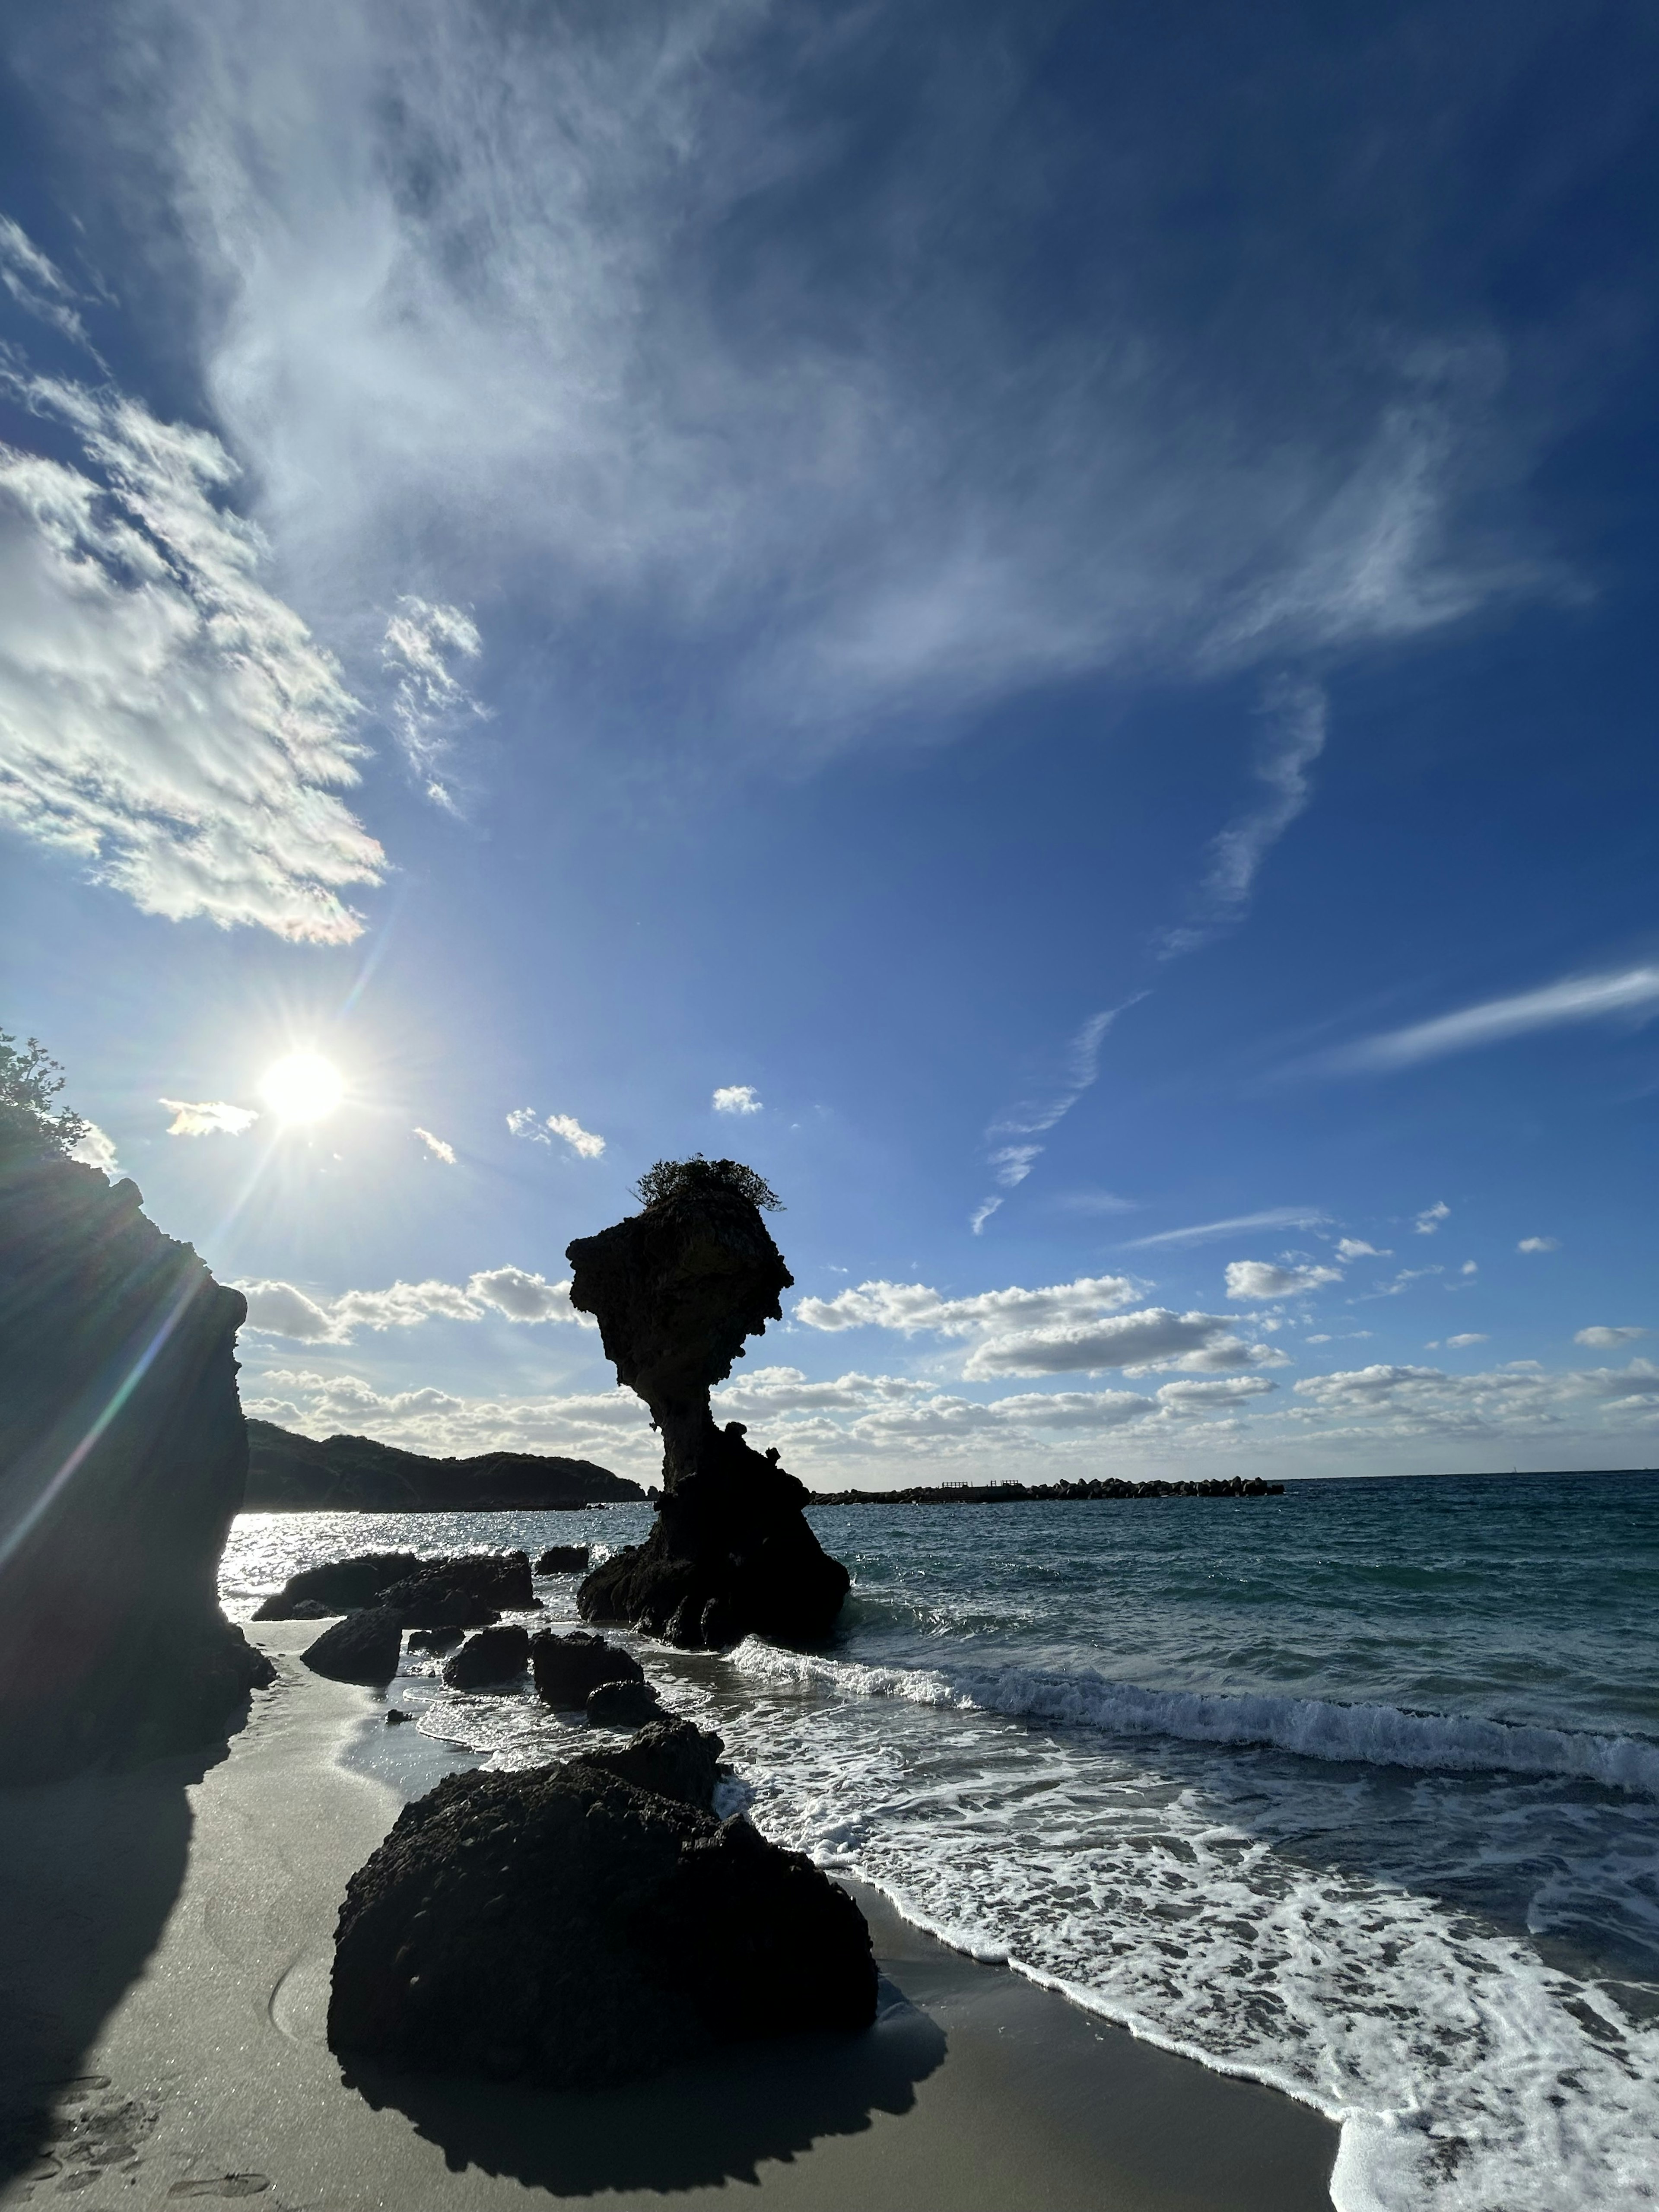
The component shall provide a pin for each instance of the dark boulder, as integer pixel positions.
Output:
(123, 1463)
(364, 1647)
(569, 1927)
(493, 1656)
(339, 1585)
(624, 1705)
(568, 1667)
(433, 1640)
(676, 1289)
(672, 1757)
(470, 1592)
(564, 1560)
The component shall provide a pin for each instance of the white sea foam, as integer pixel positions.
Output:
(1313, 1728)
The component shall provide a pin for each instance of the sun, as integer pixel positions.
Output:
(304, 1087)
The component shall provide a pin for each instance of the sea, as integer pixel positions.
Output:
(1352, 1790)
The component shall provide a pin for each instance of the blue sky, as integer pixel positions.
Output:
(1036, 619)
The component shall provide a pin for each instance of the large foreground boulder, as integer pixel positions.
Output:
(572, 1928)
(123, 1459)
(677, 1289)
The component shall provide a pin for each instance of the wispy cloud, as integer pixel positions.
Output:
(735, 1098)
(1631, 995)
(429, 703)
(95, 1150)
(1427, 1224)
(1603, 1339)
(1296, 712)
(1011, 1164)
(1274, 1217)
(163, 717)
(1539, 1244)
(38, 285)
(213, 1117)
(436, 1146)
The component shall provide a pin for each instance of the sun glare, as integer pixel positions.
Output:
(304, 1087)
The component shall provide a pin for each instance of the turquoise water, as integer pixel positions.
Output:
(1355, 1790)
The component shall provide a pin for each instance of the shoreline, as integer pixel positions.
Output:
(165, 1971)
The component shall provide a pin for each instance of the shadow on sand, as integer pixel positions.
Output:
(694, 2127)
(89, 1871)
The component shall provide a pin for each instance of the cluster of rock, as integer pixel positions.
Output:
(123, 1462)
(1038, 1493)
(588, 1923)
(676, 1290)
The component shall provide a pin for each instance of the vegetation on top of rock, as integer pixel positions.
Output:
(669, 1179)
(30, 1079)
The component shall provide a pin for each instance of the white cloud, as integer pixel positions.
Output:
(38, 285)
(209, 1117)
(162, 716)
(521, 1296)
(428, 701)
(1539, 1244)
(1261, 1279)
(1294, 742)
(1354, 1247)
(1468, 1336)
(278, 1308)
(735, 1098)
(1155, 1337)
(1205, 1397)
(436, 1146)
(1602, 1339)
(1470, 1267)
(981, 1213)
(524, 1121)
(582, 1142)
(95, 1150)
(1631, 993)
(1427, 1224)
(1398, 1285)
(1275, 1216)
(910, 1307)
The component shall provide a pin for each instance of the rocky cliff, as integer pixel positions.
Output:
(676, 1289)
(122, 1457)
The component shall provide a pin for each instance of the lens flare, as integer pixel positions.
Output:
(304, 1087)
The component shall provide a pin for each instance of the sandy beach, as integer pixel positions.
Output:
(163, 1980)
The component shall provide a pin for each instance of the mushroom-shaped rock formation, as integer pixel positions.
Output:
(676, 1289)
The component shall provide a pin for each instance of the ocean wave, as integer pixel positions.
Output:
(1312, 1727)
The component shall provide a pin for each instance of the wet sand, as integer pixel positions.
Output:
(164, 1959)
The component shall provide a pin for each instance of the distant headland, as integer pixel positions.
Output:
(289, 1473)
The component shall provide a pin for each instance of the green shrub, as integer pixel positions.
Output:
(679, 1178)
(30, 1079)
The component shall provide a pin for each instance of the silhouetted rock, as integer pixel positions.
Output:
(339, 1585)
(568, 1667)
(564, 1560)
(670, 1756)
(573, 1929)
(292, 1474)
(493, 1656)
(433, 1640)
(123, 1462)
(676, 1289)
(624, 1705)
(470, 1592)
(364, 1647)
